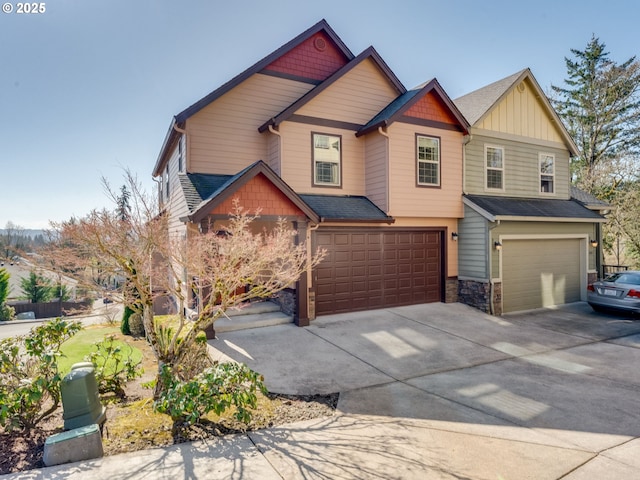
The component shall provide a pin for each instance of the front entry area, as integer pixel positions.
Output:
(378, 267)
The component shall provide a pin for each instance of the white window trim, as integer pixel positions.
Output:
(541, 155)
(486, 168)
(437, 162)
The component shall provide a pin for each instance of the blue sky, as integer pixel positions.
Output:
(89, 87)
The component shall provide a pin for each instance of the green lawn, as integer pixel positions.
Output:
(80, 345)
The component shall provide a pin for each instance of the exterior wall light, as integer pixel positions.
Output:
(454, 236)
(497, 246)
(594, 243)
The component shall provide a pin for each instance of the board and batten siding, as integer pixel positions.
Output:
(297, 159)
(472, 245)
(521, 112)
(406, 198)
(356, 97)
(376, 170)
(223, 137)
(521, 168)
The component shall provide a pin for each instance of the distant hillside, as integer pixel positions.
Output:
(26, 232)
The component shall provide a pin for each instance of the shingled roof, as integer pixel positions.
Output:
(476, 104)
(396, 109)
(202, 191)
(345, 208)
(530, 209)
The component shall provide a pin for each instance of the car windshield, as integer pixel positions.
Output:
(622, 277)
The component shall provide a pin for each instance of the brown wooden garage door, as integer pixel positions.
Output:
(376, 268)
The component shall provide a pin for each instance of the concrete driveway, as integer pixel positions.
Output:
(444, 391)
(426, 392)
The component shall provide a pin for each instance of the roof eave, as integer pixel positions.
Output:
(168, 142)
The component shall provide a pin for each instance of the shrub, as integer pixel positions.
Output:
(4, 285)
(124, 326)
(29, 376)
(113, 367)
(214, 390)
(7, 313)
(136, 325)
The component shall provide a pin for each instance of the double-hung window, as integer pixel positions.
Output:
(494, 167)
(547, 173)
(327, 156)
(428, 158)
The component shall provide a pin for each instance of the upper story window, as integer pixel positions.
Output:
(494, 167)
(327, 159)
(547, 173)
(428, 157)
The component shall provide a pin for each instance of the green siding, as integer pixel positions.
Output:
(521, 168)
(472, 245)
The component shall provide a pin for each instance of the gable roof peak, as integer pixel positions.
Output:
(179, 119)
(476, 104)
(368, 53)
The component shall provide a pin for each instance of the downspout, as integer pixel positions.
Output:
(386, 177)
(465, 142)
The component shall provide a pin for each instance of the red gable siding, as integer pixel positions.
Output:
(431, 107)
(316, 59)
(259, 192)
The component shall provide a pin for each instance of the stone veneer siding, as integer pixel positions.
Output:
(451, 293)
(286, 299)
(475, 293)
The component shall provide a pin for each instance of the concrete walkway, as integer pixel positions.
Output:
(428, 391)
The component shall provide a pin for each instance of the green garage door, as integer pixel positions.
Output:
(540, 273)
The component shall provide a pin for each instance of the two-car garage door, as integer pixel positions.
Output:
(540, 273)
(376, 268)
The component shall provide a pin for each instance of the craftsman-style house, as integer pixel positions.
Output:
(525, 241)
(374, 173)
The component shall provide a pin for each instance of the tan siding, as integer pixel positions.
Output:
(356, 97)
(521, 168)
(376, 170)
(176, 204)
(296, 159)
(273, 153)
(522, 113)
(406, 198)
(223, 137)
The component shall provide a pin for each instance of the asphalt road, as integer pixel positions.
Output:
(101, 314)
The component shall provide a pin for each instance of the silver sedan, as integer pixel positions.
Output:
(618, 291)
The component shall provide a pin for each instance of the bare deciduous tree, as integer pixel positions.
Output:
(140, 248)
